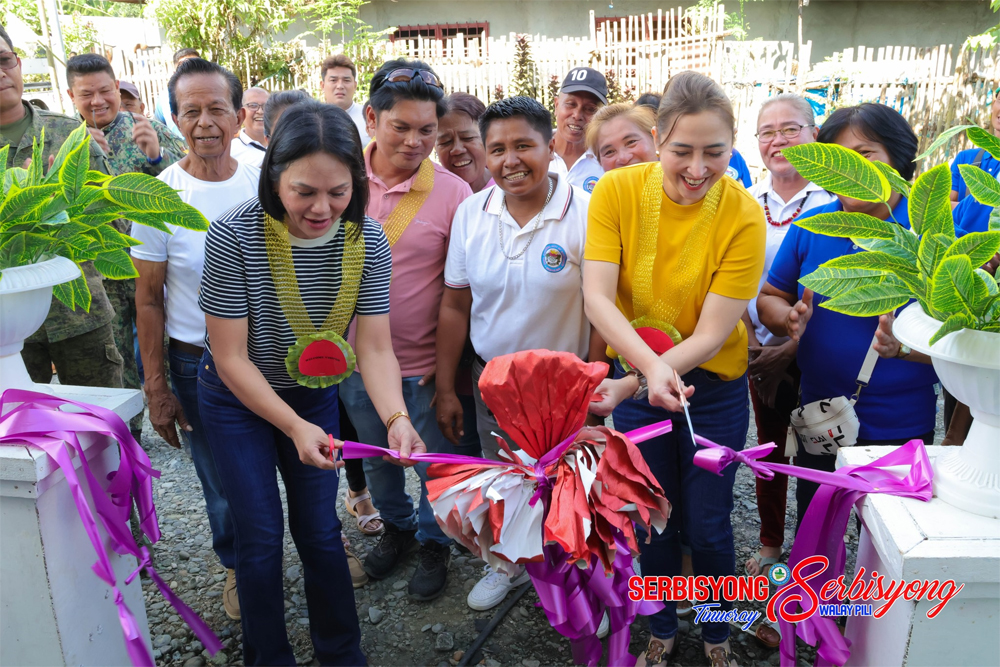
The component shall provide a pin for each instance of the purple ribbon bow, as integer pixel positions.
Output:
(824, 526)
(39, 422)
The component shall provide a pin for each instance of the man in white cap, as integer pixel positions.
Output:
(583, 92)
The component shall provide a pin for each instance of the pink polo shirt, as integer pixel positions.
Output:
(417, 263)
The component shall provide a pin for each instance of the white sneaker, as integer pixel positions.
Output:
(493, 588)
(605, 627)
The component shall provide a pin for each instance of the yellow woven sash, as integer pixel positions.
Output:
(410, 204)
(279, 256)
(663, 311)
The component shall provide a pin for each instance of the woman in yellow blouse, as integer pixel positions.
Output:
(674, 252)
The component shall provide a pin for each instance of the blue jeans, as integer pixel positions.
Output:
(247, 450)
(701, 501)
(184, 378)
(386, 481)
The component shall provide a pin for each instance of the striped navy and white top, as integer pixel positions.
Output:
(237, 283)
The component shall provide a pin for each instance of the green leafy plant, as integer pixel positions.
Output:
(925, 262)
(524, 78)
(68, 212)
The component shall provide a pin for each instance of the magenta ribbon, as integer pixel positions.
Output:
(574, 599)
(824, 526)
(39, 422)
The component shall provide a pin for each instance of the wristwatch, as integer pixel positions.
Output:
(904, 351)
(642, 393)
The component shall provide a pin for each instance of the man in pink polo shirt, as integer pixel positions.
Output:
(415, 201)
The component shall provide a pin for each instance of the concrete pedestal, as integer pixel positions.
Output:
(907, 539)
(53, 609)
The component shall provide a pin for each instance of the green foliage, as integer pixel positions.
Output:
(616, 93)
(839, 170)
(927, 262)
(238, 34)
(524, 79)
(68, 212)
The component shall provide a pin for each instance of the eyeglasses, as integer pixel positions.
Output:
(406, 75)
(253, 106)
(789, 132)
(9, 60)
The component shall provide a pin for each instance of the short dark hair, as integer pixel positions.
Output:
(339, 60)
(307, 128)
(465, 103)
(651, 100)
(87, 63)
(5, 37)
(199, 66)
(383, 95)
(276, 105)
(530, 109)
(881, 124)
(185, 53)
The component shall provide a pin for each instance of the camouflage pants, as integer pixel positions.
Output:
(121, 294)
(90, 360)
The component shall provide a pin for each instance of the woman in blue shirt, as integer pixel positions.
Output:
(899, 402)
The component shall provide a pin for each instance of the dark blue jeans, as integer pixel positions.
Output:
(701, 501)
(184, 378)
(247, 450)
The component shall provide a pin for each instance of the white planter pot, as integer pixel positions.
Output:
(968, 364)
(25, 297)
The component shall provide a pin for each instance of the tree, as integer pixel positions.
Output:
(525, 79)
(241, 35)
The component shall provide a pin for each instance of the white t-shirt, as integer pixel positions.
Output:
(355, 112)
(535, 301)
(583, 174)
(184, 250)
(245, 149)
(808, 197)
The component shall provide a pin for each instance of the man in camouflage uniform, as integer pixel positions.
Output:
(80, 344)
(132, 143)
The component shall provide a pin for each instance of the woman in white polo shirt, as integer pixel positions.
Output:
(513, 274)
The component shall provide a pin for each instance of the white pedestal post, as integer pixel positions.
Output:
(53, 609)
(907, 539)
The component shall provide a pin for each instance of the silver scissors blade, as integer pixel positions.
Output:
(684, 404)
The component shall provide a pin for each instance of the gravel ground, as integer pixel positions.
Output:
(395, 630)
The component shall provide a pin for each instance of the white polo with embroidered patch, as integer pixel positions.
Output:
(536, 300)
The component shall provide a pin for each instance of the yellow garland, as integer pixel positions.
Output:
(410, 204)
(664, 311)
(286, 284)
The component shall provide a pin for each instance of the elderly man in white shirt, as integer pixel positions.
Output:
(250, 144)
(784, 120)
(583, 92)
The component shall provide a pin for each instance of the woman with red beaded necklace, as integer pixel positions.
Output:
(784, 120)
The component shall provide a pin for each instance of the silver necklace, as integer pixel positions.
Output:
(538, 221)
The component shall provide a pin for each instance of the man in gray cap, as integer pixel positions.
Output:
(131, 101)
(583, 92)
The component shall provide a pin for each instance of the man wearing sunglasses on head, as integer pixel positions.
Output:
(250, 144)
(80, 344)
(415, 200)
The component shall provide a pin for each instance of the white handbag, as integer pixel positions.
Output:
(826, 425)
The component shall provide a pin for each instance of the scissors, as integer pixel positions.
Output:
(684, 404)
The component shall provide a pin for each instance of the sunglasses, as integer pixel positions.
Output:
(407, 74)
(9, 60)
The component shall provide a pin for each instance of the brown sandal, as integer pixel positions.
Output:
(656, 653)
(720, 657)
(767, 635)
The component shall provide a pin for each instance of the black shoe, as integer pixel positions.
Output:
(393, 546)
(432, 571)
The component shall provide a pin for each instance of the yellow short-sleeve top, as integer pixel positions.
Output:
(733, 264)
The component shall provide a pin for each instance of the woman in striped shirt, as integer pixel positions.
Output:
(285, 273)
